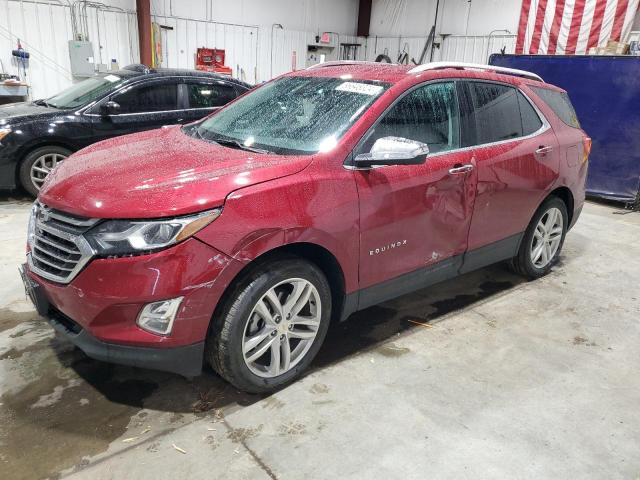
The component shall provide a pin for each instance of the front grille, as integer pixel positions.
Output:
(58, 249)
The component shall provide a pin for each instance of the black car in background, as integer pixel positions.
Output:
(35, 136)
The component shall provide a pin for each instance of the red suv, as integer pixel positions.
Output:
(239, 238)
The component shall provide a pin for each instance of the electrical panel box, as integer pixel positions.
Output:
(81, 58)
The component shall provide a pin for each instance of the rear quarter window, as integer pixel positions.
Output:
(560, 104)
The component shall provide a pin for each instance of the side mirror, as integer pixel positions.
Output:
(110, 108)
(393, 151)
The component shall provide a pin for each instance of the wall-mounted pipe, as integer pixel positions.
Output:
(435, 25)
(273, 27)
(80, 17)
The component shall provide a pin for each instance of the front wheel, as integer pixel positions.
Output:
(543, 239)
(37, 165)
(271, 325)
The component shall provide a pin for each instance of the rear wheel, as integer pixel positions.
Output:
(271, 326)
(37, 165)
(543, 239)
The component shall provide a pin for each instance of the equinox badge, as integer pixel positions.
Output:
(391, 246)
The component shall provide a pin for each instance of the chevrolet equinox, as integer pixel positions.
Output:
(237, 239)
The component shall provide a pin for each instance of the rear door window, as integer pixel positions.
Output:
(155, 97)
(560, 103)
(209, 95)
(496, 112)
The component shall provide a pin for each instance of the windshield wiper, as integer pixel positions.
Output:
(234, 144)
(230, 143)
(196, 130)
(237, 144)
(44, 103)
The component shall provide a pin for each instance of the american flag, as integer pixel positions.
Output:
(572, 26)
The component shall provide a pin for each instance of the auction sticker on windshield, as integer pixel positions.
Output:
(364, 88)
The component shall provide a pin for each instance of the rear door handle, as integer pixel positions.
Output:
(461, 169)
(542, 150)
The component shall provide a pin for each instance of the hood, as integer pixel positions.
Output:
(158, 173)
(24, 111)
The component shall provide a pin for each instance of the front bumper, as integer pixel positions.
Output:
(97, 311)
(186, 360)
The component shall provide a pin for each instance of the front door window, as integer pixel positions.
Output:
(428, 114)
(148, 98)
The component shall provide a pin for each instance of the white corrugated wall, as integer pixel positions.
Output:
(247, 47)
(43, 31)
(459, 48)
(257, 63)
(475, 49)
(393, 47)
(44, 28)
(285, 42)
(184, 36)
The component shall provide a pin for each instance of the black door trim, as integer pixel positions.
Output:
(493, 253)
(436, 273)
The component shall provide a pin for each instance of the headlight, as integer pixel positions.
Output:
(124, 237)
(4, 131)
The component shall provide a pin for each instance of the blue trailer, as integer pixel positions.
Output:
(605, 91)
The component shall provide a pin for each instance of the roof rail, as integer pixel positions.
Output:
(476, 66)
(137, 67)
(338, 63)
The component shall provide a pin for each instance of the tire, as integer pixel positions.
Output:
(536, 264)
(43, 157)
(243, 327)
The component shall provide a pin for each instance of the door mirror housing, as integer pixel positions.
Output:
(110, 108)
(393, 151)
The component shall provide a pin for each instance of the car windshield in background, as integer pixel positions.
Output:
(292, 115)
(85, 91)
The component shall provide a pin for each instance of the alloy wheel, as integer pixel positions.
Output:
(547, 237)
(281, 328)
(43, 166)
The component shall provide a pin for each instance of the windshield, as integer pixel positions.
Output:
(293, 115)
(85, 91)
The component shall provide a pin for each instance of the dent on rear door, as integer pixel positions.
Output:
(512, 177)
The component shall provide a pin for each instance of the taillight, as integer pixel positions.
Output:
(586, 142)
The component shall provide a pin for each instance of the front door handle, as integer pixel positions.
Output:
(461, 169)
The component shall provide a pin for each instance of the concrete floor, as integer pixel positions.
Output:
(510, 380)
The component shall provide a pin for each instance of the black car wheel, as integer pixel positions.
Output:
(37, 165)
